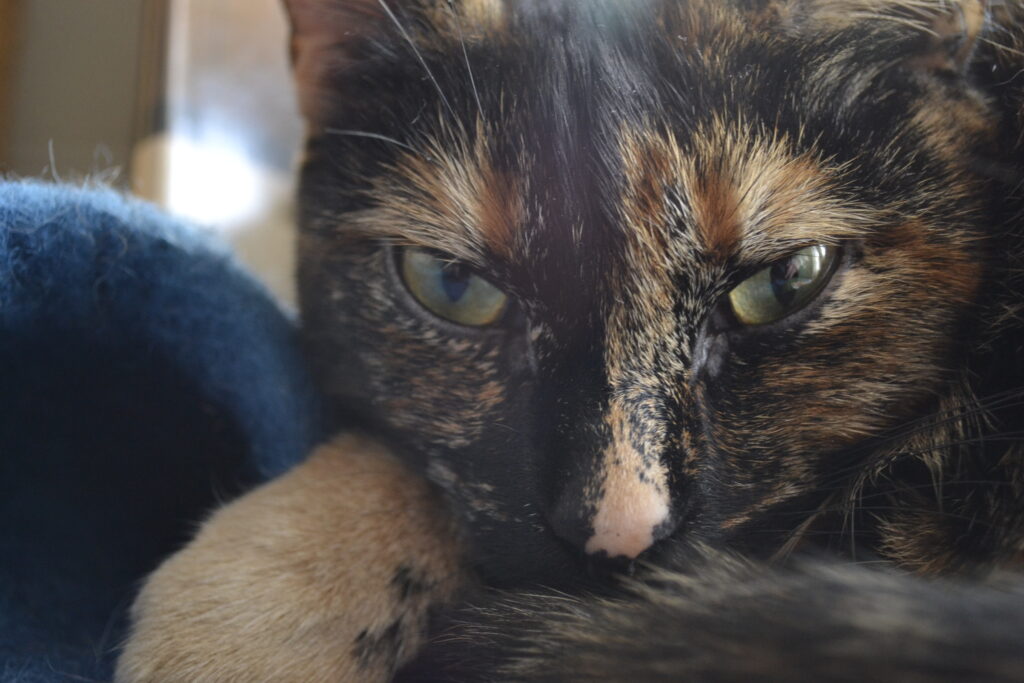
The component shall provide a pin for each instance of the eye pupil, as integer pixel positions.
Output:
(455, 280)
(782, 277)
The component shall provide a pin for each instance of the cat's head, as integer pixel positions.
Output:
(613, 272)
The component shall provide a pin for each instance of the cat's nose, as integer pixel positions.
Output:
(620, 516)
(621, 506)
(631, 514)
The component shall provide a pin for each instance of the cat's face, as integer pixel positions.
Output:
(613, 272)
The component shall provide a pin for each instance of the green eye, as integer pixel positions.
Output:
(450, 290)
(783, 287)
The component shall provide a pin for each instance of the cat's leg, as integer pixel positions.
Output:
(325, 574)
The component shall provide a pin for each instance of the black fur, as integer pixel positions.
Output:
(719, 619)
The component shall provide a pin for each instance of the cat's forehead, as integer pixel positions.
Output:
(727, 195)
(563, 149)
(567, 132)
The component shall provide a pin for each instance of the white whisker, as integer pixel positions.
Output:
(419, 55)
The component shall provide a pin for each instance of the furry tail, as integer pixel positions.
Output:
(724, 620)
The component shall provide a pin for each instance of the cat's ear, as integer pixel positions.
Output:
(325, 35)
(328, 35)
(938, 35)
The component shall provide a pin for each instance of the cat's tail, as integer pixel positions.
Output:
(723, 619)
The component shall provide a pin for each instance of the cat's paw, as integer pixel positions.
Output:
(325, 574)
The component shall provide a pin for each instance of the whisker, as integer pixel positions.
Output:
(465, 57)
(372, 136)
(797, 534)
(902, 454)
(942, 513)
(809, 532)
(899, 21)
(850, 507)
(897, 487)
(419, 55)
(1007, 399)
(1003, 46)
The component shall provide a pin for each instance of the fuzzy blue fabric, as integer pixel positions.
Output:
(144, 377)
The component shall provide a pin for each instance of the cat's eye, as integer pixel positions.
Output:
(451, 290)
(784, 287)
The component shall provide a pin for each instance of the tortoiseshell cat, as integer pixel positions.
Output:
(715, 285)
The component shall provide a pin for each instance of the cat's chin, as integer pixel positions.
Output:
(566, 567)
(515, 565)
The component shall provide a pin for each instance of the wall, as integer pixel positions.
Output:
(187, 103)
(73, 98)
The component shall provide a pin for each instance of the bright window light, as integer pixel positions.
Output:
(212, 181)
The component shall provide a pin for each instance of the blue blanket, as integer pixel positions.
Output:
(144, 377)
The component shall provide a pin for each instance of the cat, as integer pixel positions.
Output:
(724, 296)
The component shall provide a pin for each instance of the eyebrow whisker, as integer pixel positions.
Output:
(372, 136)
(419, 56)
(465, 57)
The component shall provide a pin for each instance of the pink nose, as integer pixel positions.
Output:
(630, 513)
(620, 506)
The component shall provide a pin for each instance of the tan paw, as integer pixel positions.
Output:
(322, 575)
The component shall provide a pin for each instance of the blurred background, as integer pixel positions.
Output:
(186, 103)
